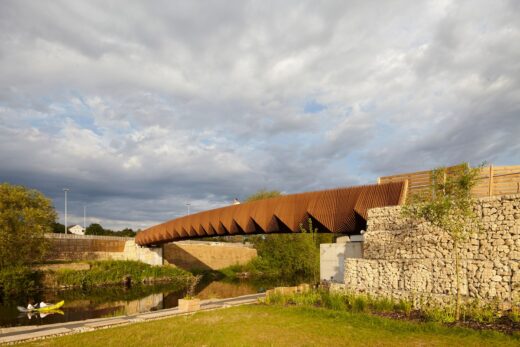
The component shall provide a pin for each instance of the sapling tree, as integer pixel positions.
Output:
(448, 204)
(314, 247)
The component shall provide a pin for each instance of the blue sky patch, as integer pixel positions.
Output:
(312, 106)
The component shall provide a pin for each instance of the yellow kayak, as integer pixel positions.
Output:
(51, 307)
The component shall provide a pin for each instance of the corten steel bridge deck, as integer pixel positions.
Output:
(342, 210)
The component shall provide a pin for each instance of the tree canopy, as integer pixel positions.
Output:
(97, 229)
(25, 216)
(263, 194)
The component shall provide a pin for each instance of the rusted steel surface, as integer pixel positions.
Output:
(342, 210)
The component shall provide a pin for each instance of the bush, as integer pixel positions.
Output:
(289, 258)
(286, 256)
(17, 279)
(383, 304)
(404, 307)
(360, 304)
(277, 299)
(334, 301)
(514, 314)
(440, 314)
(310, 299)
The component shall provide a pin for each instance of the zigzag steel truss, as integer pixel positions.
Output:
(342, 210)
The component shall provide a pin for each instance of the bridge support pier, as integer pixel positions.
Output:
(333, 255)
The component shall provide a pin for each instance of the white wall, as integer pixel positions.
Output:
(332, 259)
(151, 256)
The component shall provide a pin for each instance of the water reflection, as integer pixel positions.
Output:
(40, 315)
(113, 301)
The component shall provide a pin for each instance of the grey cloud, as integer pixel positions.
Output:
(139, 107)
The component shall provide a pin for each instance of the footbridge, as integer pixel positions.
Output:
(342, 210)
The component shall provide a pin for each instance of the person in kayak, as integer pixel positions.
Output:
(36, 306)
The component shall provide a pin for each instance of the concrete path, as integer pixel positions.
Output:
(25, 333)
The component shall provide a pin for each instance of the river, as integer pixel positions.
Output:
(113, 301)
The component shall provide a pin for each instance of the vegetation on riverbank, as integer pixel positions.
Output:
(291, 258)
(474, 315)
(18, 280)
(262, 325)
(117, 272)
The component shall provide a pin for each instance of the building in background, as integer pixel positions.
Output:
(77, 230)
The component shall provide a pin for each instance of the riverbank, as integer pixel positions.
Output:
(25, 333)
(102, 273)
(115, 300)
(260, 325)
(88, 274)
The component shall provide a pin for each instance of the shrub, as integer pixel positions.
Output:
(276, 299)
(438, 314)
(360, 304)
(382, 304)
(309, 299)
(514, 314)
(17, 279)
(481, 313)
(334, 301)
(404, 307)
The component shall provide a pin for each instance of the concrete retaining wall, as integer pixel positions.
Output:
(69, 247)
(207, 255)
(189, 255)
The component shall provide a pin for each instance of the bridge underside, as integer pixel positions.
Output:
(342, 210)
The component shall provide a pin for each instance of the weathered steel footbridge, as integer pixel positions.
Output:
(342, 210)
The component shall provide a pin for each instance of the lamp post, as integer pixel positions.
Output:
(84, 218)
(188, 204)
(65, 190)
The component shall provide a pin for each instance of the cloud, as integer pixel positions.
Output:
(141, 107)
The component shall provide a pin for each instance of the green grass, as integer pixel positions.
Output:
(112, 272)
(262, 325)
(474, 311)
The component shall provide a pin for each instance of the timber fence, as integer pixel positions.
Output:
(493, 181)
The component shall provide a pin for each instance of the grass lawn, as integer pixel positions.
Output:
(261, 325)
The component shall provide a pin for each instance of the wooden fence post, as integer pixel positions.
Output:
(404, 193)
(444, 182)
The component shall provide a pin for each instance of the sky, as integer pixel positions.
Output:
(141, 107)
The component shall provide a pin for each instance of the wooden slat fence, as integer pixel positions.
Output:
(494, 180)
